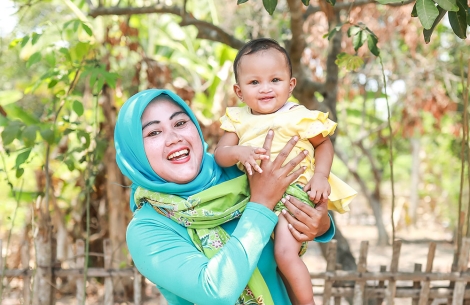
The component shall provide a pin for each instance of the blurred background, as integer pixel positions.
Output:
(396, 82)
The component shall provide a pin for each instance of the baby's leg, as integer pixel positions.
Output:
(293, 269)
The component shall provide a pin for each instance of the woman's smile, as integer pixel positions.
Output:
(180, 156)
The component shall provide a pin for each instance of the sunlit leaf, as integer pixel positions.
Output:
(35, 38)
(22, 157)
(358, 40)
(19, 172)
(448, 5)
(427, 12)
(36, 57)
(48, 135)
(427, 33)
(270, 6)
(78, 107)
(10, 96)
(353, 30)
(306, 2)
(11, 132)
(241, 1)
(24, 41)
(348, 61)
(29, 135)
(90, 32)
(16, 112)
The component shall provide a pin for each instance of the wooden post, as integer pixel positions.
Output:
(330, 267)
(137, 287)
(80, 264)
(108, 281)
(459, 289)
(392, 284)
(426, 285)
(381, 284)
(359, 286)
(337, 299)
(416, 284)
(26, 278)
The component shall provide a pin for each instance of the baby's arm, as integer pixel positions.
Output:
(318, 188)
(228, 153)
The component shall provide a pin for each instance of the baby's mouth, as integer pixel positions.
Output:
(178, 155)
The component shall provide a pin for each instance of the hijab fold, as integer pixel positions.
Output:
(133, 162)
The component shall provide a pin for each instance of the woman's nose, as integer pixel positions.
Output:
(172, 138)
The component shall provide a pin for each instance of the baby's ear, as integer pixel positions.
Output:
(238, 91)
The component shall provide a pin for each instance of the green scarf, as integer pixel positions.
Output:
(204, 212)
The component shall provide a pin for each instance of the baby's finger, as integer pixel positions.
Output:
(260, 150)
(261, 157)
(257, 168)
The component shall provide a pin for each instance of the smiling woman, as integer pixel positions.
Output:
(194, 232)
(171, 141)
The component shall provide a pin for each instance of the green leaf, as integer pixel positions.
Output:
(348, 61)
(332, 2)
(414, 13)
(78, 107)
(24, 41)
(427, 33)
(36, 57)
(11, 132)
(306, 2)
(372, 44)
(358, 40)
(35, 38)
(29, 135)
(82, 135)
(270, 6)
(331, 33)
(48, 135)
(448, 5)
(389, 1)
(22, 157)
(70, 164)
(427, 12)
(241, 1)
(76, 24)
(16, 112)
(353, 30)
(19, 172)
(10, 96)
(87, 29)
(458, 20)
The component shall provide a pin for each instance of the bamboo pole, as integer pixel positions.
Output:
(381, 283)
(392, 284)
(108, 282)
(80, 263)
(26, 278)
(137, 287)
(359, 286)
(426, 284)
(330, 267)
(416, 284)
(459, 289)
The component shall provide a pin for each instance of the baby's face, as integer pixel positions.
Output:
(264, 81)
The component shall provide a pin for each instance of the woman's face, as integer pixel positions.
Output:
(171, 142)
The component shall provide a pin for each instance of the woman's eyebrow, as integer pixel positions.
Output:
(158, 122)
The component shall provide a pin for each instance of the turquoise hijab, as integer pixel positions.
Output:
(133, 162)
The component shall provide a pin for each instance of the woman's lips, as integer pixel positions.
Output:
(179, 156)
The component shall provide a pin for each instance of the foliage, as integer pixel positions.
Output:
(429, 12)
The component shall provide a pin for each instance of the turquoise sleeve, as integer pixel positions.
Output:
(164, 254)
(329, 234)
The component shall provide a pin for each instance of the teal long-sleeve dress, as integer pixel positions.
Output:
(159, 247)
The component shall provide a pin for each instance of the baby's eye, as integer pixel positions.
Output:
(275, 80)
(254, 82)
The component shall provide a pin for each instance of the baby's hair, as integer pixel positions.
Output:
(257, 45)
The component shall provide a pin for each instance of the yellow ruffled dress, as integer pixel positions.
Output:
(252, 129)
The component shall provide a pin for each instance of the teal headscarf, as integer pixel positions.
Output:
(133, 162)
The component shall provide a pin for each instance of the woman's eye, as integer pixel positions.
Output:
(153, 133)
(180, 123)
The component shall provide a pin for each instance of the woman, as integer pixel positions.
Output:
(160, 148)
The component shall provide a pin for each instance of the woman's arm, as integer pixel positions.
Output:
(163, 253)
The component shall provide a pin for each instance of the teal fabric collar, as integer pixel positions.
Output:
(133, 163)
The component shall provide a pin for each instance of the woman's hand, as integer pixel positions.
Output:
(268, 187)
(306, 222)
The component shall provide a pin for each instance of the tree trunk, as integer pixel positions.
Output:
(116, 197)
(43, 289)
(414, 197)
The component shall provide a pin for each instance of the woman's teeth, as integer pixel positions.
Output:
(178, 154)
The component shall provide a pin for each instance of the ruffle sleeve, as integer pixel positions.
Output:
(231, 117)
(315, 123)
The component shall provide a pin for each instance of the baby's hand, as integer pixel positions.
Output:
(248, 155)
(318, 188)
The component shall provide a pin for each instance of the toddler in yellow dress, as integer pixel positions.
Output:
(264, 82)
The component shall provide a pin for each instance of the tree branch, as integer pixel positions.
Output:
(346, 5)
(206, 30)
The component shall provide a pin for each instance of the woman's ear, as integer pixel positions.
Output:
(238, 91)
